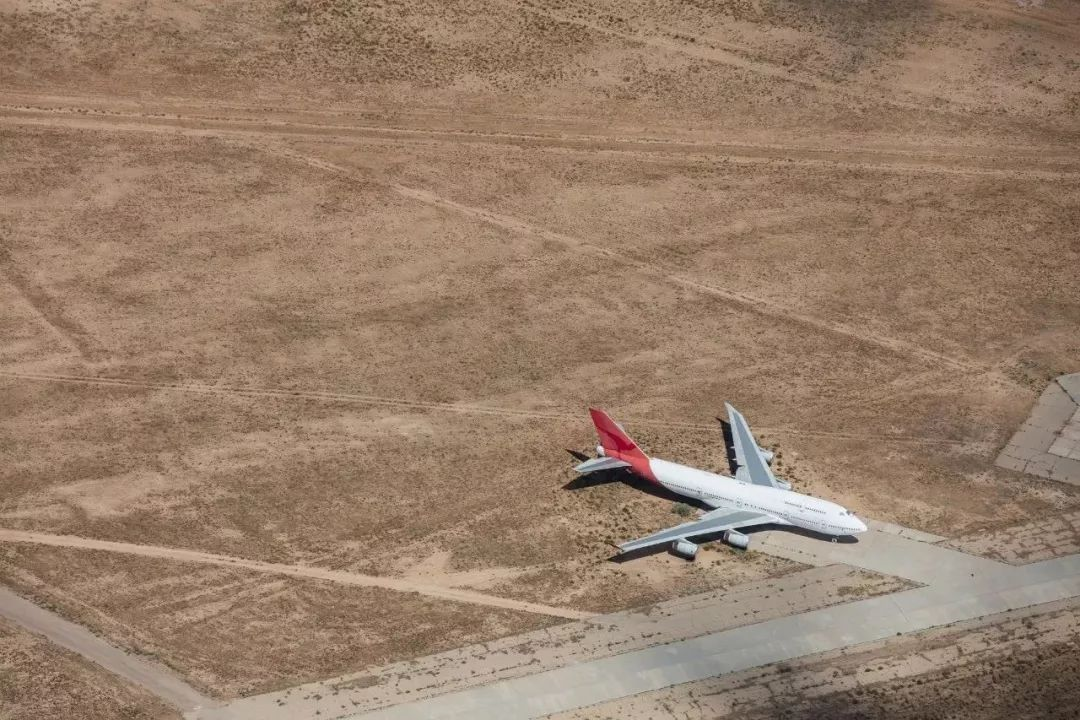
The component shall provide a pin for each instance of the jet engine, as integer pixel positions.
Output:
(767, 455)
(684, 549)
(734, 538)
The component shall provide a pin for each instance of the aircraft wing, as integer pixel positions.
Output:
(714, 521)
(752, 466)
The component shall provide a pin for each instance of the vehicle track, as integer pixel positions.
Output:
(713, 50)
(69, 332)
(460, 408)
(1028, 165)
(458, 121)
(650, 267)
(341, 577)
(654, 269)
(720, 53)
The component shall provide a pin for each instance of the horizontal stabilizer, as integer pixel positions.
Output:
(601, 463)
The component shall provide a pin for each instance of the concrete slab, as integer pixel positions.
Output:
(1066, 470)
(904, 531)
(1054, 407)
(1041, 465)
(1032, 438)
(1067, 443)
(882, 552)
(1071, 385)
(1048, 443)
(1066, 448)
(742, 648)
(1009, 462)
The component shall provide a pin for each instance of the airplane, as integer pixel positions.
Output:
(753, 497)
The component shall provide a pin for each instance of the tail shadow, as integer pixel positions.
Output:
(602, 477)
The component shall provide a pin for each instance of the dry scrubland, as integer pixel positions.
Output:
(233, 632)
(856, 221)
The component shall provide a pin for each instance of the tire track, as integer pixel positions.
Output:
(458, 408)
(69, 332)
(455, 121)
(731, 55)
(718, 53)
(658, 271)
(651, 268)
(899, 160)
(303, 571)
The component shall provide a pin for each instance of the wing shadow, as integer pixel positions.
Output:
(729, 445)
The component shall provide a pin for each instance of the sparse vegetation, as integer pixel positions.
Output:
(682, 509)
(362, 265)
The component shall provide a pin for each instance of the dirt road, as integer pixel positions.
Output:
(462, 408)
(305, 571)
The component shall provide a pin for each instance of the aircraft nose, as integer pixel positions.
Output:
(860, 526)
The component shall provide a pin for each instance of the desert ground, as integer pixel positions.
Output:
(331, 284)
(37, 679)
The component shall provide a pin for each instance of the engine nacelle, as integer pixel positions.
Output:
(767, 455)
(734, 538)
(684, 549)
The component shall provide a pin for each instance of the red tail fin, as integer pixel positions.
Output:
(615, 442)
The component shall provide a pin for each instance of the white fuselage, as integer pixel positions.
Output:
(787, 506)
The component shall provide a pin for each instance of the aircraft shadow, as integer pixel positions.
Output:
(718, 537)
(623, 475)
(843, 539)
(729, 444)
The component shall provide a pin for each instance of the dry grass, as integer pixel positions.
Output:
(883, 200)
(39, 681)
(235, 632)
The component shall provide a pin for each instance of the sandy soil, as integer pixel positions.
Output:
(232, 632)
(331, 282)
(39, 681)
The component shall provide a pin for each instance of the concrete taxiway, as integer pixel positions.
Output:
(140, 671)
(954, 587)
(1048, 443)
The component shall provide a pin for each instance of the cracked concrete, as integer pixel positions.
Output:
(1048, 443)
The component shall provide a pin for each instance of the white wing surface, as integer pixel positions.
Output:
(752, 466)
(715, 521)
